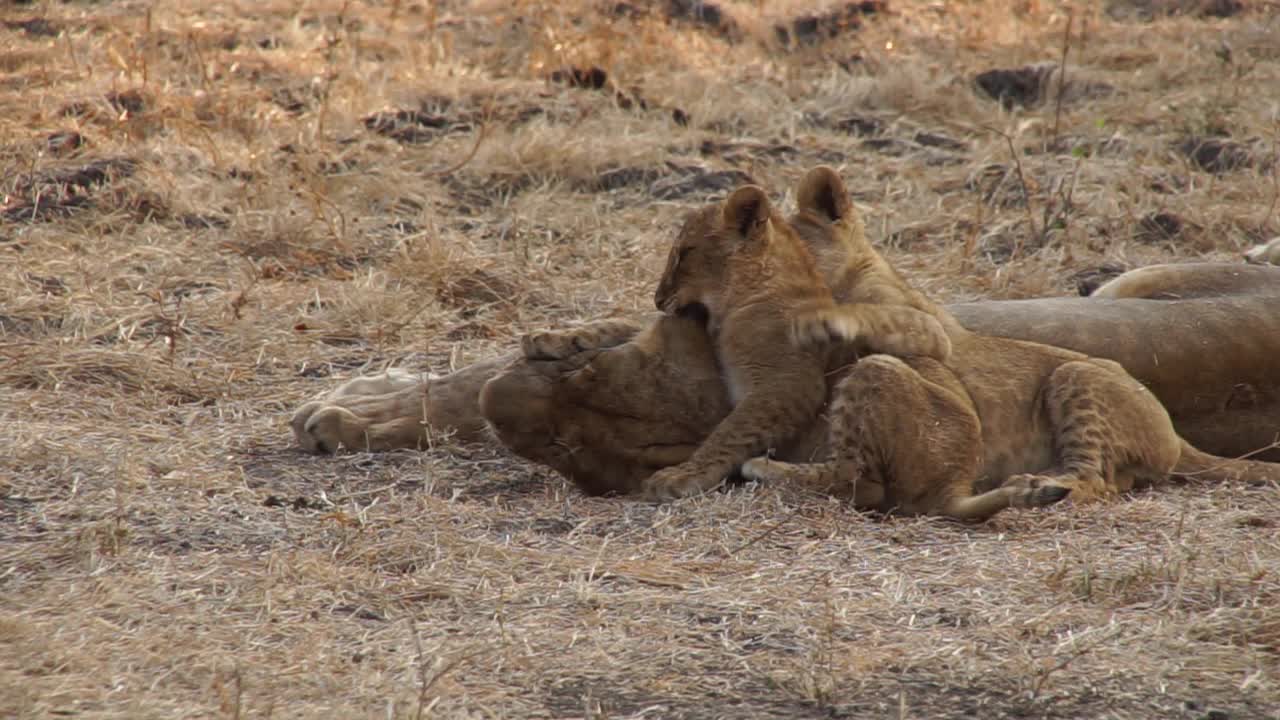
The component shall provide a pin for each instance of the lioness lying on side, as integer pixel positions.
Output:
(918, 435)
(607, 409)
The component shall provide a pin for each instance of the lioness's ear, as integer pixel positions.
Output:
(747, 209)
(823, 192)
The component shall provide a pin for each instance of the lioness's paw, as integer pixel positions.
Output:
(321, 428)
(1266, 253)
(550, 345)
(298, 423)
(677, 482)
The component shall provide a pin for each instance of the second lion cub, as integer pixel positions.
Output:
(753, 273)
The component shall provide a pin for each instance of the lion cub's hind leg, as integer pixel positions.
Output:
(851, 469)
(1110, 432)
(897, 440)
(904, 438)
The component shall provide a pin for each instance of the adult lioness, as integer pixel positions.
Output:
(921, 436)
(592, 415)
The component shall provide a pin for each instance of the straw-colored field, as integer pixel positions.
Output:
(215, 211)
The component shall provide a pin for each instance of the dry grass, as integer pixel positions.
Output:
(200, 230)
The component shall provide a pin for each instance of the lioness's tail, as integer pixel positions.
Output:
(891, 329)
(1201, 465)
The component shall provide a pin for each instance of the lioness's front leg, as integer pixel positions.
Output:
(372, 412)
(396, 410)
(403, 410)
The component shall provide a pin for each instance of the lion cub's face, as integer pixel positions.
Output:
(694, 264)
(710, 242)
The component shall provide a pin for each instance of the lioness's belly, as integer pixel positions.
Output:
(1213, 363)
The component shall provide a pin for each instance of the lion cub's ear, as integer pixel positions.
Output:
(823, 192)
(747, 210)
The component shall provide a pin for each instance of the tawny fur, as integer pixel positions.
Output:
(752, 272)
(748, 269)
(607, 403)
(1188, 281)
(1031, 422)
(1267, 253)
(878, 310)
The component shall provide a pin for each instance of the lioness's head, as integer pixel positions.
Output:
(702, 255)
(607, 419)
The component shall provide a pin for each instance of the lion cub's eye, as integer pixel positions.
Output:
(684, 253)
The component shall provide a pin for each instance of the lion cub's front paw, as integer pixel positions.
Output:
(817, 327)
(550, 345)
(924, 337)
(893, 330)
(677, 482)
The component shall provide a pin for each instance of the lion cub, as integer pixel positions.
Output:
(876, 307)
(999, 423)
(753, 273)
